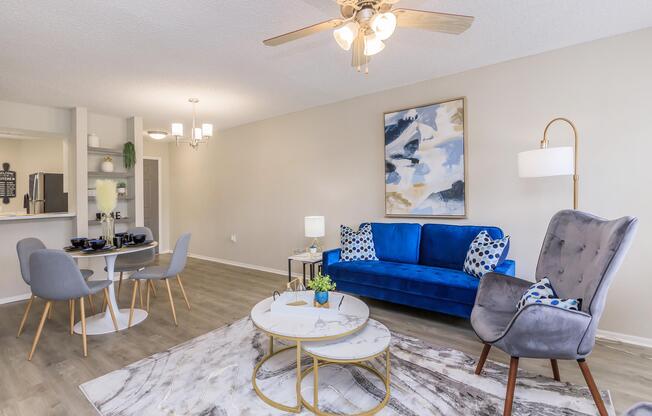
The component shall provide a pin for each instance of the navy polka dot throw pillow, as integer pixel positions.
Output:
(484, 254)
(542, 293)
(357, 245)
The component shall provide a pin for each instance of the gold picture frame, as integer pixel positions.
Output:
(417, 189)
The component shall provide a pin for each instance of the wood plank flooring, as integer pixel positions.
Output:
(221, 294)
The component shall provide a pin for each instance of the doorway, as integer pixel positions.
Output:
(151, 197)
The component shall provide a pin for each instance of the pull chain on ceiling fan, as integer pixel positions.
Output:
(365, 24)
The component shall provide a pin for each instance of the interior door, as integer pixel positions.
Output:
(151, 197)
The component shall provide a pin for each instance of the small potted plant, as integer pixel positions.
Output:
(122, 189)
(321, 285)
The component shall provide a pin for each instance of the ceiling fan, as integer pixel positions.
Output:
(365, 24)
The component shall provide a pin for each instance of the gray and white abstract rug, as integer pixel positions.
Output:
(211, 375)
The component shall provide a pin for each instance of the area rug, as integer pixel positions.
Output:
(211, 375)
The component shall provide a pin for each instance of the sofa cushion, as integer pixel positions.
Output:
(444, 245)
(412, 279)
(397, 242)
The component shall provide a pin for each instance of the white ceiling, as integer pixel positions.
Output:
(147, 57)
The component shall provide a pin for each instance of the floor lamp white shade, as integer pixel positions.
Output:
(551, 161)
(315, 226)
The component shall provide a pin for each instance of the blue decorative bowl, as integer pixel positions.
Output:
(321, 297)
(97, 244)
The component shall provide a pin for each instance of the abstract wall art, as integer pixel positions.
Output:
(425, 161)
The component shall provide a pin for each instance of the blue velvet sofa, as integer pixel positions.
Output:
(419, 266)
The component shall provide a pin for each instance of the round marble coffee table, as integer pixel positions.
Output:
(353, 316)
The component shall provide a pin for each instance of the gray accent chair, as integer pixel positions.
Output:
(135, 261)
(56, 277)
(174, 269)
(581, 254)
(640, 409)
(25, 248)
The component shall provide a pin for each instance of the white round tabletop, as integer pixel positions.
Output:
(370, 341)
(116, 252)
(353, 315)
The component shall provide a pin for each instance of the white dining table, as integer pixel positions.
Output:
(101, 323)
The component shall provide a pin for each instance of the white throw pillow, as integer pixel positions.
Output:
(484, 254)
(542, 293)
(357, 245)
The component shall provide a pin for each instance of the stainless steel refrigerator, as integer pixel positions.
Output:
(46, 194)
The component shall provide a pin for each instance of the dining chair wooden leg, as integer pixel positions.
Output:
(71, 305)
(25, 315)
(105, 302)
(584, 367)
(151, 284)
(483, 358)
(119, 286)
(555, 369)
(111, 311)
(83, 325)
(48, 305)
(51, 313)
(147, 296)
(174, 313)
(92, 304)
(183, 292)
(133, 303)
(511, 386)
(140, 295)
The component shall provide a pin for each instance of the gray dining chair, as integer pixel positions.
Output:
(132, 262)
(581, 254)
(56, 277)
(172, 270)
(25, 248)
(640, 409)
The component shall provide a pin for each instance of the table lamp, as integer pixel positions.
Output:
(551, 161)
(314, 228)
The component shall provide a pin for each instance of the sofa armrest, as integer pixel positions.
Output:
(330, 257)
(507, 267)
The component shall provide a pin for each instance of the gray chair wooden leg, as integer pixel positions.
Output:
(25, 315)
(46, 310)
(174, 313)
(597, 398)
(511, 386)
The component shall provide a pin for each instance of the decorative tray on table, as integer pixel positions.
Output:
(301, 303)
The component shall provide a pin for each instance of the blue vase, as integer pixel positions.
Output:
(321, 297)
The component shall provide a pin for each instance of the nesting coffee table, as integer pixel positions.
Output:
(352, 317)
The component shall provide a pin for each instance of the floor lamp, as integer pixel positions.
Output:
(551, 161)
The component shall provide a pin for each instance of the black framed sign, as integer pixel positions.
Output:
(7, 183)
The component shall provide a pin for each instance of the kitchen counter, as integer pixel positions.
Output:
(32, 217)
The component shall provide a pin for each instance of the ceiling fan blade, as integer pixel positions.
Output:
(301, 33)
(359, 59)
(437, 22)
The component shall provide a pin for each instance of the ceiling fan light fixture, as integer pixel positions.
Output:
(383, 25)
(345, 35)
(372, 45)
(157, 134)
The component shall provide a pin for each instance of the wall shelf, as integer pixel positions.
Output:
(119, 221)
(104, 151)
(126, 175)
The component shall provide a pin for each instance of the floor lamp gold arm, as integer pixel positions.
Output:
(544, 144)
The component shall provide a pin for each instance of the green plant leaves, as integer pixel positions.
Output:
(129, 155)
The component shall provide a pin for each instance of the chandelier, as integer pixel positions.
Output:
(198, 135)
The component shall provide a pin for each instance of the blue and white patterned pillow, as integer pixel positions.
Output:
(542, 293)
(357, 245)
(484, 254)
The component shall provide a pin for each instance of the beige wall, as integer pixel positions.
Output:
(261, 179)
(28, 156)
(162, 150)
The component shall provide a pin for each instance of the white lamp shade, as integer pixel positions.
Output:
(196, 134)
(383, 25)
(345, 35)
(207, 130)
(177, 129)
(553, 161)
(372, 45)
(315, 226)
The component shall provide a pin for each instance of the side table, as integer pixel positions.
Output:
(306, 259)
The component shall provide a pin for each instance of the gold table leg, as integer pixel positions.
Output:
(267, 400)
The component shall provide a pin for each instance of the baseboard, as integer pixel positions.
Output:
(624, 338)
(601, 334)
(243, 265)
(16, 298)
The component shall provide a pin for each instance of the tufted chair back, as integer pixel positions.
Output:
(580, 255)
